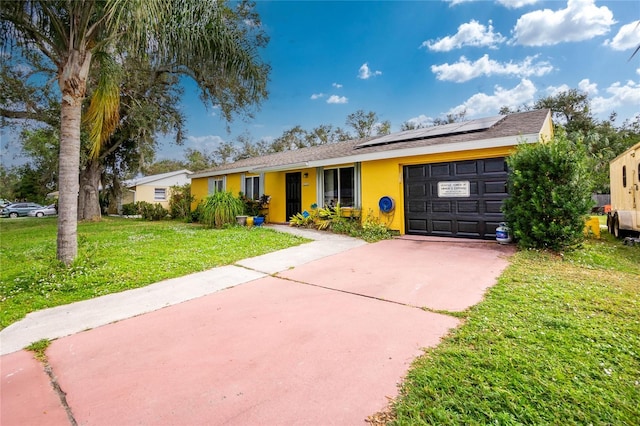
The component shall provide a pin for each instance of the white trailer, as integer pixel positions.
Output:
(624, 217)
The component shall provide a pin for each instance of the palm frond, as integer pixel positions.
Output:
(103, 113)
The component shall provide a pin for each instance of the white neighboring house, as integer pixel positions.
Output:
(153, 189)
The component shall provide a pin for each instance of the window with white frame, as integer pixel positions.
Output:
(160, 194)
(339, 187)
(216, 184)
(252, 187)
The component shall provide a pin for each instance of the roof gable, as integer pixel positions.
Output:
(145, 180)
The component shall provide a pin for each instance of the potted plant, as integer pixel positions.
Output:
(263, 209)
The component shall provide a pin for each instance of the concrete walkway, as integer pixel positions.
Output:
(65, 320)
(320, 334)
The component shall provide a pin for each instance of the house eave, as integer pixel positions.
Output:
(283, 167)
(432, 149)
(212, 173)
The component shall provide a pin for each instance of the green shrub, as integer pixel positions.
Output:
(549, 194)
(180, 202)
(300, 220)
(373, 230)
(332, 218)
(220, 209)
(150, 211)
(130, 209)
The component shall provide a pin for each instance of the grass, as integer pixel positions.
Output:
(556, 341)
(113, 255)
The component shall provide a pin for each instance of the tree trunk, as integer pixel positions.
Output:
(89, 200)
(72, 79)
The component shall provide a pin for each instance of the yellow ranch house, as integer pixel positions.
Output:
(447, 180)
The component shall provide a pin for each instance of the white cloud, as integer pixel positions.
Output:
(465, 70)
(457, 2)
(469, 34)
(584, 85)
(365, 73)
(335, 99)
(317, 96)
(553, 90)
(481, 103)
(581, 20)
(620, 96)
(588, 87)
(516, 4)
(627, 38)
(421, 121)
(207, 141)
(638, 71)
(337, 85)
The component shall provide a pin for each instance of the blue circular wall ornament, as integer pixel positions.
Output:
(386, 204)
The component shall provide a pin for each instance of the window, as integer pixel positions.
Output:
(624, 176)
(252, 187)
(339, 187)
(216, 184)
(160, 194)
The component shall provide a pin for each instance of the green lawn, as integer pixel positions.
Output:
(556, 341)
(113, 255)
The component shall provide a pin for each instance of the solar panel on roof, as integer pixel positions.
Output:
(431, 132)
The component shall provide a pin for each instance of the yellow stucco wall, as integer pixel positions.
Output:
(147, 193)
(384, 178)
(378, 178)
(200, 187)
(274, 186)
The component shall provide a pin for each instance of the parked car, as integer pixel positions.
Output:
(19, 209)
(50, 210)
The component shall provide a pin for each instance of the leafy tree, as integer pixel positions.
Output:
(411, 125)
(364, 124)
(383, 128)
(448, 119)
(164, 166)
(290, 139)
(247, 148)
(148, 106)
(549, 194)
(180, 202)
(8, 182)
(224, 153)
(203, 39)
(325, 134)
(42, 146)
(197, 160)
(602, 141)
(571, 109)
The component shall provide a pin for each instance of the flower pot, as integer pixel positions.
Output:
(242, 220)
(258, 220)
(249, 221)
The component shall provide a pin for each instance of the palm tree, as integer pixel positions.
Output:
(204, 39)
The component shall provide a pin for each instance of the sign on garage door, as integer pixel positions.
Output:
(456, 199)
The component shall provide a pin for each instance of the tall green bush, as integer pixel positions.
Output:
(220, 209)
(150, 211)
(180, 202)
(549, 194)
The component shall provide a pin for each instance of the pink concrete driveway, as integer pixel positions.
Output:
(315, 345)
(435, 273)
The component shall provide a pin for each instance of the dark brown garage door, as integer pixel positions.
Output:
(458, 199)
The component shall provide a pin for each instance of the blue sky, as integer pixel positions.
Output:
(420, 60)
